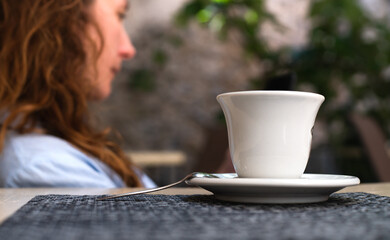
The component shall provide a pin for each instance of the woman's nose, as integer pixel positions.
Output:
(126, 49)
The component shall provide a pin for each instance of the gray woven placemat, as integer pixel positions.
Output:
(344, 216)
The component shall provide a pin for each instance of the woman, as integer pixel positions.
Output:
(55, 57)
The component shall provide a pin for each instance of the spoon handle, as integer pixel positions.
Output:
(147, 190)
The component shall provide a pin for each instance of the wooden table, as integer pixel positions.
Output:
(13, 199)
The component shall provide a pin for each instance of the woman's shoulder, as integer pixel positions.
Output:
(31, 142)
(30, 147)
(51, 160)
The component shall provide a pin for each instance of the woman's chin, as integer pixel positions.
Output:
(99, 96)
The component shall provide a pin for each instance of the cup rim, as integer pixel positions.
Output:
(273, 92)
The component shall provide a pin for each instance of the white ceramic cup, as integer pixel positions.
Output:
(270, 131)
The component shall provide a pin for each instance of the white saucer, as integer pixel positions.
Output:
(307, 189)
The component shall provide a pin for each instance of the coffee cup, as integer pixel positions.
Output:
(270, 132)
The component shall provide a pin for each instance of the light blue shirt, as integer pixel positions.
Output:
(40, 160)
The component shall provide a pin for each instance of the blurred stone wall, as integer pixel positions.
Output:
(175, 115)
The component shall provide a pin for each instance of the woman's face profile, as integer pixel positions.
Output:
(109, 15)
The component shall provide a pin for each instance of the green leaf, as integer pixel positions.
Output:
(189, 11)
(204, 16)
(251, 17)
(160, 57)
(217, 23)
(142, 79)
(221, 1)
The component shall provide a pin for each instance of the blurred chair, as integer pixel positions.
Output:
(163, 167)
(374, 142)
(213, 158)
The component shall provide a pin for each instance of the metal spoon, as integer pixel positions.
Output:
(186, 178)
